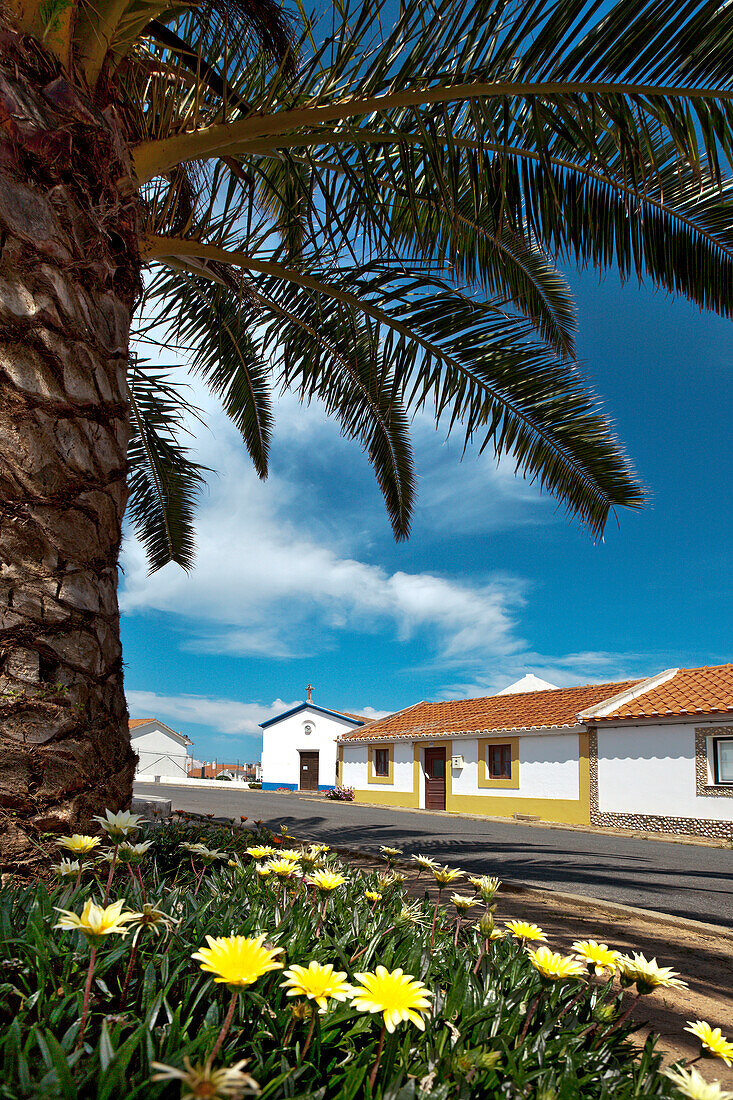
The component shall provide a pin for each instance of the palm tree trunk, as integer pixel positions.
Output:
(68, 280)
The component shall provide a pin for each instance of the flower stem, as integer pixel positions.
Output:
(111, 872)
(528, 1018)
(85, 1003)
(309, 1036)
(128, 973)
(373, 1074)
(458, 926)
(224, 1027)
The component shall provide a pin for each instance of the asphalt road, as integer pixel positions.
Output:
(685, 879)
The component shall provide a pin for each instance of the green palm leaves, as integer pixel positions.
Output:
(372, 218)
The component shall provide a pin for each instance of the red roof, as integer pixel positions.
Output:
(135, 722)
(549, 709)
(691, 691)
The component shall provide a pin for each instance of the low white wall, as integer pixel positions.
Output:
(649, 769)
(548, 768)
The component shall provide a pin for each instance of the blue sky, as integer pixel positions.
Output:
(299, 580)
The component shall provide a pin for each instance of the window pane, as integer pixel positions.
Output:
(381, 762)
(500, 761)
(438, 770)
(725, 761)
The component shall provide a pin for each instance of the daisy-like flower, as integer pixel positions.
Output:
(207, 855)
(154, 920)
(204, 1082)
(694, 1086)
(598, 957)
(396, 878)
(487, 928)
(326, 881)
(133, 853)
(389, 853)
(425, 863)
(319, 982)
(80, 844)
(462, 904)
(283, 868)
(552, 965)
(372, 895)
(525, 931)
(262, 870)
(238, 961)
(445, 875)
(121, 825)
(261, 851)
(97, 921)
(647, 974)
(319, 849)
(291, 854)
(485, 886)
(410, 915)
(711, 1039)
(67, 868)
(398, 996)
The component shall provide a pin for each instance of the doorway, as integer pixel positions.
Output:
(309, 771)
(434, 779)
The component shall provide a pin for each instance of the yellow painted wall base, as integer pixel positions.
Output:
(565, 810)
(387, 798)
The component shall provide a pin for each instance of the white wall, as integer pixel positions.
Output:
(548, 768)
(356, 758)
(159, 753)
(283, 742)
(650, 769)
(356, 767)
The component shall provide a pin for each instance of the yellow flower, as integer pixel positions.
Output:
(319, 982)
(283, 868)
(445, 875)
(410, 915)
(79, 844)
(372, 895)
(389, 852)
(260, 851)
(486, 886)
(552, 965)
(97, 921)
(647, 974)
(133, 853)
(153, 919)
(291, 854)
(118, 826)
(203, 1082)
(524, 930)
(263, 870)
(326, 881)
(711, 1039)
(694, 1086)
(462, 903)
(425, 863)
(398, 996)
(597, 956)
(208, 855)
(319, 849)
(238, 961)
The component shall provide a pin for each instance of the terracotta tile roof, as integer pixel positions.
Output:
(496, 713)
(356, 717)
(690, 691)
(135, 722)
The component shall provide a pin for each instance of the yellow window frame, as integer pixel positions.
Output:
(484, 779)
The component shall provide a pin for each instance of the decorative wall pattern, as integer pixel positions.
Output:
(701, 760)
(653, 823)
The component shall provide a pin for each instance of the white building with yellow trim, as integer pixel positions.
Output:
(646, 754)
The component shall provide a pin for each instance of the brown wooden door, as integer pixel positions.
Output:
(309, 771)
(435, 779)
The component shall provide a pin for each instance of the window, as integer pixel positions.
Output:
(308, 728)
(381, 761)
(723, 759)
(500, 761)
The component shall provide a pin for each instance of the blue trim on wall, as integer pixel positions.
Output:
(309, 706)
(275, 786)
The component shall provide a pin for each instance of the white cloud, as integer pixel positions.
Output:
(225, 715)
(269, 580)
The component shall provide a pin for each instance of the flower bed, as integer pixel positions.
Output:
(225, 962)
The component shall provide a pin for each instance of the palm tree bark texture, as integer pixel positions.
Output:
(68, 282)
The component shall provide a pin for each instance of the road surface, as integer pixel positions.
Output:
(689, 880)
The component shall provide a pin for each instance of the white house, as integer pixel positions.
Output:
(160, 750)
(654, 754)
(299, 746)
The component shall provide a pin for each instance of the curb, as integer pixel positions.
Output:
(600, 905)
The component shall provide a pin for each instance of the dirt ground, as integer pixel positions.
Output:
(702, 959)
